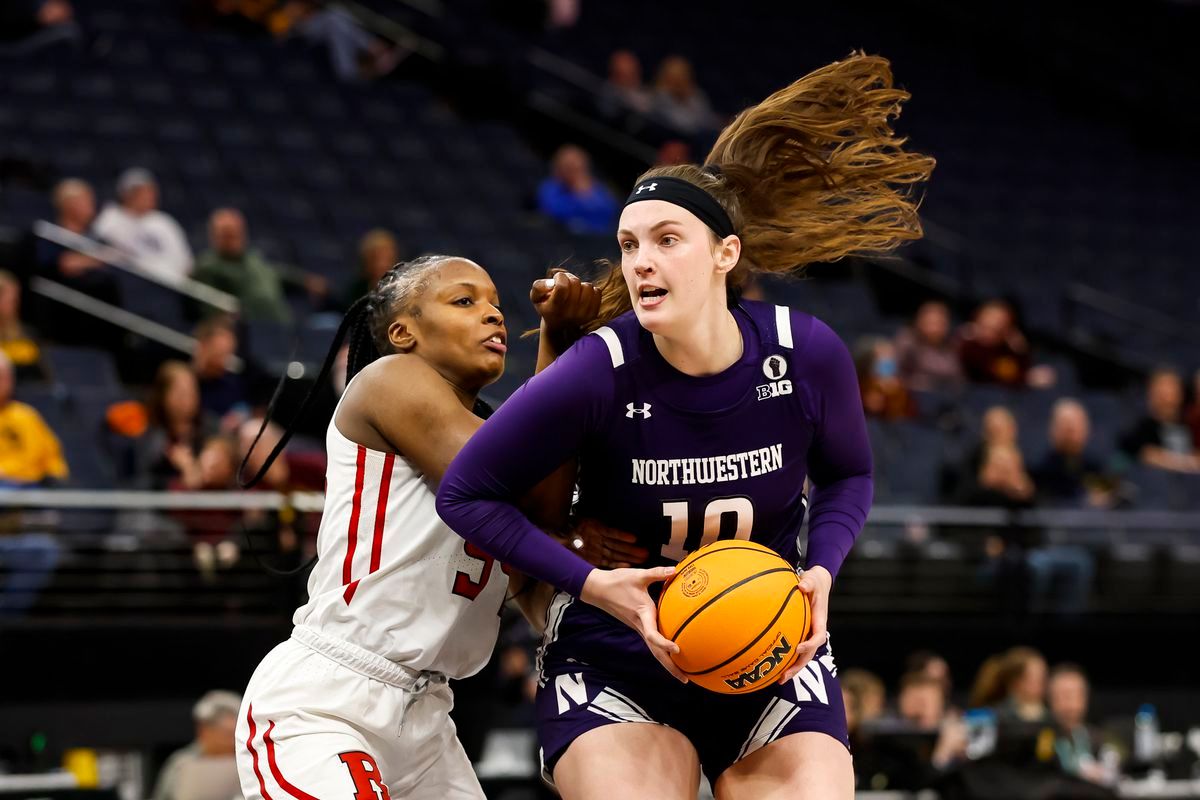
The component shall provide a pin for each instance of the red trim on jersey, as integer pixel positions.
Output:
(385, 483)
(352, 533)
(262, 785)
(299, 794)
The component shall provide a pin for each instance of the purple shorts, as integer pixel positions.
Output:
(575, 696)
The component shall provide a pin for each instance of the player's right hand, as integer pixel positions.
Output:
(606, 547)
(564, 301)
(623, 593)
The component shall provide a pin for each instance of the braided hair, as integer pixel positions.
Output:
(367, 322)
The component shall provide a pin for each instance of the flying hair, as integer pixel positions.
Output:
(813, 173)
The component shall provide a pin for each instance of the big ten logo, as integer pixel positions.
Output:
(776, 389)
(368, 783)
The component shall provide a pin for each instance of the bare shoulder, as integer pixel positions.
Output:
(388, 395)
(401, 382)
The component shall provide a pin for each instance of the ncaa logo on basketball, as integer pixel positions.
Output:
(774, 367)
(764, 667)
(693, 581)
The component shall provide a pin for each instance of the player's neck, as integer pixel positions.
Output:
(710, 344)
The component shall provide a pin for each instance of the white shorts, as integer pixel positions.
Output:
(324, 720)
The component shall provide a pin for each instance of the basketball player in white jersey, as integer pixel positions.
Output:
(356, 704)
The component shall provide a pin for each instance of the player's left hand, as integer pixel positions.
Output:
(816, 582)
(564, 301)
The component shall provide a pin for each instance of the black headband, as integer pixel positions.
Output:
(688, 196)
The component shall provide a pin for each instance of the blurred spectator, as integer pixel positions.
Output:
(922, 703)
(354, 53)
(213, 470)
(178, 427)
(864, 697)
(672, 153)
(1160, 439)
(679, 102)
(921, 700)
(28, 25)
(993, 349)
(574, 197)
(232, 266)
(223, 393)
(1016, 553)
(1001, 480)
(998, 428)
(1077, 745)
(206, 768)
(17, 341)
(1068, 475)
(932, 665)
(884, 395)
(30, 453)
(378, 251)
(927, 359)
(1018, 690)
(1193, 412)
(75, 207)
(624, 90)
(212, 530)
(151, 237)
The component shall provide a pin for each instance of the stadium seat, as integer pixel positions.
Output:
(81, 370)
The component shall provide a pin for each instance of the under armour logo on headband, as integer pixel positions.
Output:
(688, 196)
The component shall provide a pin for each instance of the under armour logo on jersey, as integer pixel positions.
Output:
(631, 411)
(649, 187)
(775, 367)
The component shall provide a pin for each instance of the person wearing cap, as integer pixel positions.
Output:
(215, 715)
(152, 238)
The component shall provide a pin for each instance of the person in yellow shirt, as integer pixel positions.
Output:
(30, 453)
(16, 341)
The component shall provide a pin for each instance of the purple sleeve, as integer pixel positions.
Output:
(542, 425)
(839, 460)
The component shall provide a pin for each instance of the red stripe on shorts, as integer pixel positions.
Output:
(352, 533)
(385, 483)
(282, 781)
(262, 786)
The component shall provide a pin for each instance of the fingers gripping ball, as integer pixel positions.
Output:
(737, 613)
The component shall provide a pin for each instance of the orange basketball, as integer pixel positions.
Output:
(737, 613)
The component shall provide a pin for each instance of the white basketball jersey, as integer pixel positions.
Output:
(391, 577)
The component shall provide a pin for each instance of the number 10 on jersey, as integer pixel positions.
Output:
(739, 512)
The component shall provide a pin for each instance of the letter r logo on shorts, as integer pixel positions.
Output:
(368, 783)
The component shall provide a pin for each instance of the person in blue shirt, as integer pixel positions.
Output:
(573, 196)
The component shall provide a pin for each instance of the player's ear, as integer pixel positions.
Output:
(727, 253)
(401, 337)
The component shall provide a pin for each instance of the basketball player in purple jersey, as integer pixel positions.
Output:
(698, 417)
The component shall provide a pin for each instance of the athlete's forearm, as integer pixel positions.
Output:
(503, 531)
(541, 427)
(839, 511)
